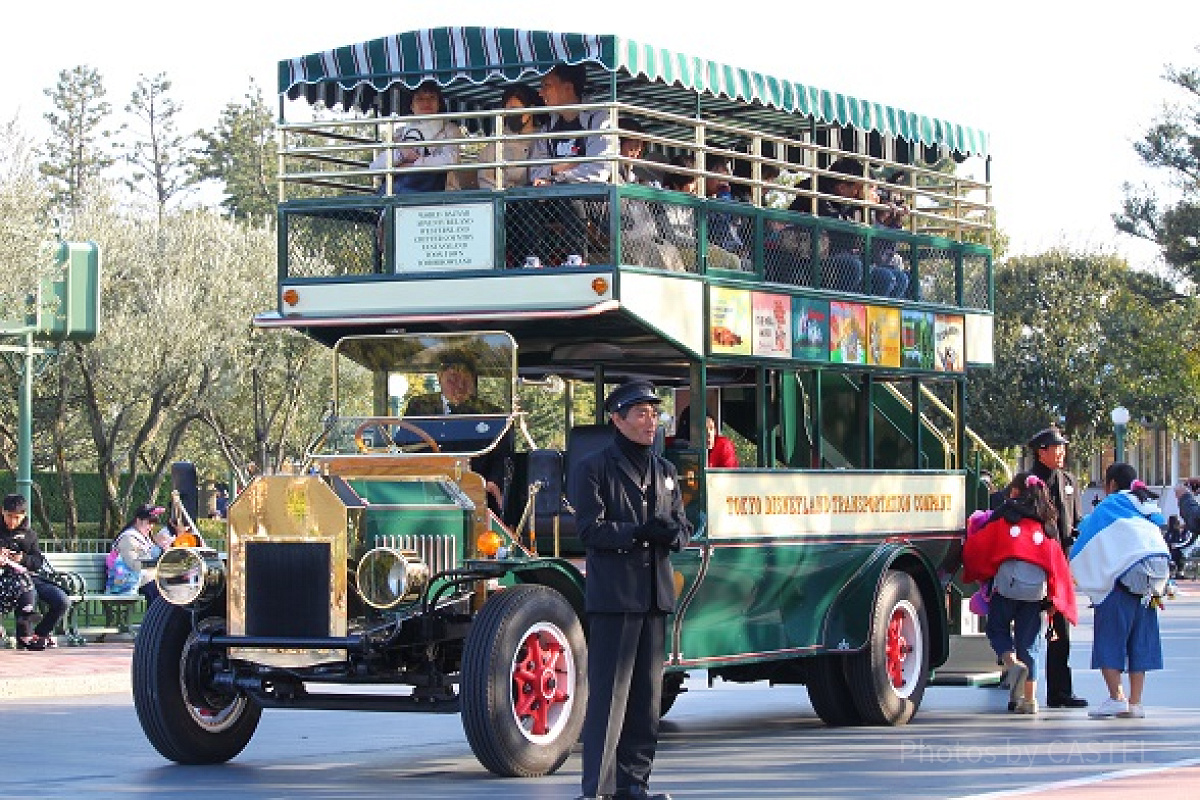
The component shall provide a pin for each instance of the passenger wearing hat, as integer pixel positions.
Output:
(1049, 449)
(629, 515)
(458, 378)
(130, 561)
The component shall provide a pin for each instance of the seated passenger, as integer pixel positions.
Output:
(514, 151)
(679, 221)
(411, 145)
(562, 223)
(633, 146)
(564, 85)
(719, 448)
(723, 229)
(889, 277)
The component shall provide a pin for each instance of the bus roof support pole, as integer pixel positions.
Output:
(599, 384)
(916, 422)
(867, 409)
(763, 418)
(818, 432)
(698, 402)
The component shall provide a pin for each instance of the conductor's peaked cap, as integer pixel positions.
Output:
(630, 394)
(1047, 437)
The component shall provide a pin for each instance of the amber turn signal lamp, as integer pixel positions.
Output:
(291, 296)
(599, 285)
(489, 543)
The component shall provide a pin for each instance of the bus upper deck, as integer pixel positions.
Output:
(351, 247)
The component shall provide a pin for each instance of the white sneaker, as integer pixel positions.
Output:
(1110, 708)
(1135, 711)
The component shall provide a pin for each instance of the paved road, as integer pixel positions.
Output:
(727, 741)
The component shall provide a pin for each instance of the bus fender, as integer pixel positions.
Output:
(847, 625)
(558, 574)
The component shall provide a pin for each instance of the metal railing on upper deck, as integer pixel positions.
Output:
(334, 157)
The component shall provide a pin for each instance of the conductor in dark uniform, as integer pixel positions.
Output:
(629, 514)
(1049, 448)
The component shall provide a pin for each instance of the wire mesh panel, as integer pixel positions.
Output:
(976, 266)
(890, 271)
(730, 240)
(787, 253)
(648, 229)
(556, 231)
(935, 265)
(842, 259)
(329, 242)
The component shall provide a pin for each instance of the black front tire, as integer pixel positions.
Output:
(888, 679)
(524, 682)
(182, 717)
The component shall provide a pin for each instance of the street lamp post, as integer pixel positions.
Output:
(1120, 418)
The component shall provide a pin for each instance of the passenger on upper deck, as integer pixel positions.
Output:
(513, 151)
(412, 149)
(564, 86)
(632, 145)
(723, 229)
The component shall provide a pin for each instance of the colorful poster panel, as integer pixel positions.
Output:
(730, 323)
(883, 336)
(948, 342)
(916, 340)
(810, 329)
(847, 333)
(772, 325)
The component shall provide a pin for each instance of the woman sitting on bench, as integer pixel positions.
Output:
(128, 567)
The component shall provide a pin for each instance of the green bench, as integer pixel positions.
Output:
(94, 612)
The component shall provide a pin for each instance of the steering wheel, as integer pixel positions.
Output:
(371, 422)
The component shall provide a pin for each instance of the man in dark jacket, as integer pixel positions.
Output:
(18, 538)
(1049, 448)
(629, 514)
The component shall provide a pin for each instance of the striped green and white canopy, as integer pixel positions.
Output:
(462, 59)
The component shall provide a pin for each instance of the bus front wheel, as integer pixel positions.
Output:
(887, 679)
(524, 681)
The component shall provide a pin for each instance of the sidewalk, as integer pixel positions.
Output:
(95, 668)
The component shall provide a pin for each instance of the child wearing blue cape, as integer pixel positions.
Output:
(1122, 562)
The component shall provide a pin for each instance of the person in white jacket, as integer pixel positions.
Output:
(136, 548)
(415, 146)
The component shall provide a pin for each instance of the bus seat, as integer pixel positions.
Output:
(553, 469)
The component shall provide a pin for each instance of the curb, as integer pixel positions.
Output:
(63, 686)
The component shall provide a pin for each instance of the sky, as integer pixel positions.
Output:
(1063, 87)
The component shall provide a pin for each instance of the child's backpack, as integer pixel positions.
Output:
(1021, 580)
(1148, 576)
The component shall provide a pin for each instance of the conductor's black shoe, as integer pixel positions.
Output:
(639, 793)
(1072, 701)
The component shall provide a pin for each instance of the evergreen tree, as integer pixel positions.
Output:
(1173, 145)
(157, 154)
(79, 148)
(240, 152)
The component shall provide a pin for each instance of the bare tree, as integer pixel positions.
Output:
(158, 154)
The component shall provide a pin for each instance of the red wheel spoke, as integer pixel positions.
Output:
(540, 675)
(897, 649)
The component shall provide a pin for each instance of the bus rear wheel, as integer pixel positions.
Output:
(829, 691)
(887, 680)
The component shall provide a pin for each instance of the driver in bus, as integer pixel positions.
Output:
(458, 377)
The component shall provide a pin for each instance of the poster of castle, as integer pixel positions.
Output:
(883, 336)
(810, 329)
(948, 343)
(847, 333)
(916, 339)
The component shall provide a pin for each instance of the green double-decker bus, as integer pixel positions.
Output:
(809, 270)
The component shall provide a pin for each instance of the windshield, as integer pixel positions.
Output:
(421, 392)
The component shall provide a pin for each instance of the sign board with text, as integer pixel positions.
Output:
(758, 503)
(459, 236)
